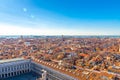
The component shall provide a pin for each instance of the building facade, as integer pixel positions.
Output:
(13, 67)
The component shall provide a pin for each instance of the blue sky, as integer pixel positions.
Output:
(59, 17)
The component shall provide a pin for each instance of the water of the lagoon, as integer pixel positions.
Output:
(58, 36)
(26, 76)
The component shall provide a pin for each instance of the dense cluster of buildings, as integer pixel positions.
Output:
(82, 58)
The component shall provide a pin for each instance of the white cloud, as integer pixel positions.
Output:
(7, 29)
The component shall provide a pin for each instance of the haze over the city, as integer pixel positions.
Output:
(59, 17)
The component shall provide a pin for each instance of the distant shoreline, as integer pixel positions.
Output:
(59, 36)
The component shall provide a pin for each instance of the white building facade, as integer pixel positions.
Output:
(13, 67)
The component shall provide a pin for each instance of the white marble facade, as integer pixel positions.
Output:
(14, 67)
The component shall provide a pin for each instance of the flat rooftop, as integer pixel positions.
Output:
(11, 60)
